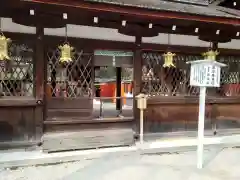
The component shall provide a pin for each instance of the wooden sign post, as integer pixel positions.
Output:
(204, 73)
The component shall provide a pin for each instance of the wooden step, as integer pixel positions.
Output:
(69, 112)
(87, 139)
(68, 119)
(85, 120)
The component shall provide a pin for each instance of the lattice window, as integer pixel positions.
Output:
(71, 80)
(16, 75)
(175, 81)
(166, 81)
(230, 76)
(127, 74)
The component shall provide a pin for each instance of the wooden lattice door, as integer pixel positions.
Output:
(69, 87)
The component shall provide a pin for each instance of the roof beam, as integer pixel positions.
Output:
(195, 2)
(216, 2)
(228, 10)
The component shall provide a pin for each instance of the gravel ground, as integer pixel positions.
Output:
(220, 164)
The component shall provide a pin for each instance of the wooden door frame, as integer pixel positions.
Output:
(40, 81)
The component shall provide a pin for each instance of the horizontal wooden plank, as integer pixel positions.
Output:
(70, 103)
(19, 144)
(88, 132)
(66, 120)
(87, 125)
(69, 112)
(174, 112)
(226, 100)
(70, 120)
(227, 112)
(180, 116)
(17, 101)
(191, 100)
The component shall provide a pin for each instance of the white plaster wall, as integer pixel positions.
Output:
(234, 44)
(90, 33)
(113, 35)
(176, 40)
(9, 26)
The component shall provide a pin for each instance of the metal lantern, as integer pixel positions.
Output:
(211, 55)
(168, 59)
(4, 47)
(66, 51)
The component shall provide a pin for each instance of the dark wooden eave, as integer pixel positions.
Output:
(49, 14)
(180, 6)
(230, 4)
(143, 12)
(227, 6)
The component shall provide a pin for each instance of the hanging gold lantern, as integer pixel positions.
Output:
(168, 59)
(66, 51)
(211, 55)
(4, 47)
